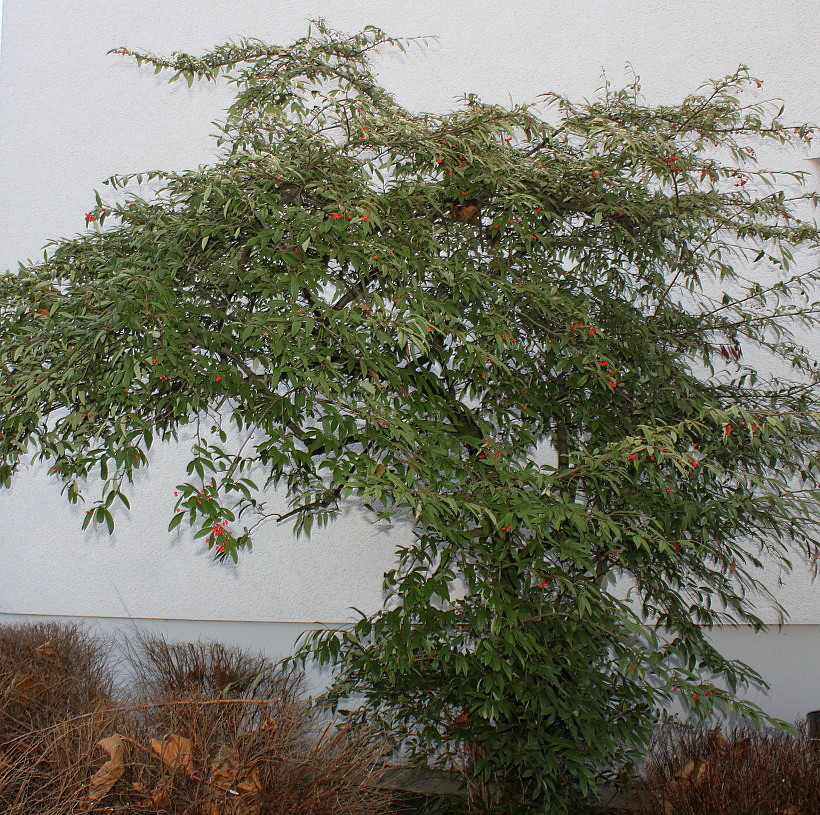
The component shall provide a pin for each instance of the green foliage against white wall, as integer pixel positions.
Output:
(398, 309)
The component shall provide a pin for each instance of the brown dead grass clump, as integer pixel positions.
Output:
(50, 672)
(162, 668)
(195, 737)
(242, 758)
(692, 770)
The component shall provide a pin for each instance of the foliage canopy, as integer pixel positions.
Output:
(407, 310)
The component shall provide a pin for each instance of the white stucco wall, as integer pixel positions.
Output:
(71, 116)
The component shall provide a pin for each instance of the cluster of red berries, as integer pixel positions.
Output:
(337, 215)
(671, 160)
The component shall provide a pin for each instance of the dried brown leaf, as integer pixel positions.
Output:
(159, 797)
(47, 650)
(21, 689)
(104, 779)
(227, 772)
(225, 766)
(719, 741)
(250, 782)
(175, 753)
(700, 772)
(468, 213)
(684, 772)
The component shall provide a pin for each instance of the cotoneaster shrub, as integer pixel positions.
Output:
(401, 309)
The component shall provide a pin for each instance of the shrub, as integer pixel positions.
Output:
(357, 301)
(693, 770)
(177, 748)
(162, 668)
(50, 672)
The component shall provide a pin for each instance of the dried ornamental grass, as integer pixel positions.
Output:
(49, 674)
(50, 671)
(692, 770)
(186, 751)
(161, 668)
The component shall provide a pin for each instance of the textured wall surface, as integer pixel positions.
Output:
(71, 116)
